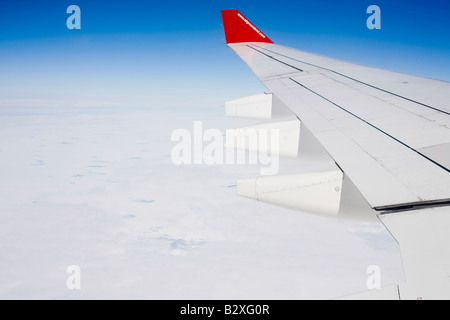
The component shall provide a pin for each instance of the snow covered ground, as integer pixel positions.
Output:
(96, 188)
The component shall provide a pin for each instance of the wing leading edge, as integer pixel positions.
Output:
(389, 133)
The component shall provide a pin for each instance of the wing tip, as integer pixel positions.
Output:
(239, 29)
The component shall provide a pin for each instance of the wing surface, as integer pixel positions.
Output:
(388, 132)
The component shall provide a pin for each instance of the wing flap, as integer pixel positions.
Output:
(424, 239)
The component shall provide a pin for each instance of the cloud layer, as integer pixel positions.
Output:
(97, 188)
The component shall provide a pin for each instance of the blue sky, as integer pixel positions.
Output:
(173, 53)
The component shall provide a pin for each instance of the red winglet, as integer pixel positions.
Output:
(239, 29)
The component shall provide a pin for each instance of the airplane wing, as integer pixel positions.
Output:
(381, 140)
